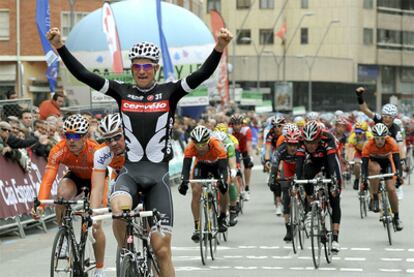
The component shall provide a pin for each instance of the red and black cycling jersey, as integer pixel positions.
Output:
(326, 153)
(395, 130)
(273, 139)
(281, 154)
(147, 115)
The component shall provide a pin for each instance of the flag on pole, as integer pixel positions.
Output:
(111, 33)
(282, 31)
(217, 23)
(43, 25)
(168, 68)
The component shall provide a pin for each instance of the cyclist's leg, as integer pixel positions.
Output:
(392, 192)
(67, 190)
(374, 168)
(310, 169)
(159, 197)
(200, 172)
(123, 197)
(248, 164)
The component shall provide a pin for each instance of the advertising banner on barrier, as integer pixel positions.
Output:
(18, 189)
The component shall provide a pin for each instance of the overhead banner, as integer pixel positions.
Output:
(18, 189)
(111, 33)
(43, 26)
(217, 22)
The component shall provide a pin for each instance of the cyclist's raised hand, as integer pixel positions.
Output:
(224, 37)
(54, 37)
(360, 91)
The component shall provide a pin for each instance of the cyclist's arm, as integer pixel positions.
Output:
(299, 165)
(47, 181)
(97, 190)
(275, 165)
(363, 105)
(364, 168)
(79, 71)
(268, 150)
(396, 160)
(204, 72)
(349, 152)
(334, 167)
(185, 173)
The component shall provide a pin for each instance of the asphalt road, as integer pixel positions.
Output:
(255, 245)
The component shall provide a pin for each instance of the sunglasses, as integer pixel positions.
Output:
(145, 66)
(5, 130)
(200, 145)
(311, 142)
(75, 137)
(379, 138)
(113, 139)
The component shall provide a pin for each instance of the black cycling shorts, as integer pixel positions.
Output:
(385, 165)
(206, 170)
(79, 182)
(247, 161)
(153, 181)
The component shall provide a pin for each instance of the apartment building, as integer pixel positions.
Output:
(329, 48)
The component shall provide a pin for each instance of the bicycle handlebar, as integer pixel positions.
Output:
(313, 181)
(122, 216)
(203, 180)
(61, 202)
(381, 176)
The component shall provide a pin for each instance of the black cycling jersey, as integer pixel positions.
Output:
(147, 115)
(326, 153)
(281, 154)
(395, 130)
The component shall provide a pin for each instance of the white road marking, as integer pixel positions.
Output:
(305, 258)
(410, 260)
(411, 250)
(272, 267)
(336, 258)
(391, 259)
(185, 258)
(245, 267)
(355, 259)
(395, 249)
(247, 246)
(351, 269)
(360, 249)
(390, 270)
(327, 268)
(220, 267)
(190, 268)
(256, 257)
(232, 257)
(282, 257)
(269, 247)
(410, 270)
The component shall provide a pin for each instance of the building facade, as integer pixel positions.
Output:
(329, 48)
(22, 61)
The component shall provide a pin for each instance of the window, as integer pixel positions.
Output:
(389, 36)
(213, 5)
(368, 36)
(267, 4)
(304, 4)
(304, 39)
(243, 4)
(389, 4)
(65, 21)
(407, 74)
(408, 38)
(244, 34)
(4, 25)
(407, 5)
(388, 79)
(368, 4)
(266, 36)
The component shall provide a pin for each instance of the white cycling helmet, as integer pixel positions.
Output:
(380, 130)
(145, 50)
(200, 134)
(76, 124)
(110, 125)
(219, 135)
(312, 116)
(390, 109)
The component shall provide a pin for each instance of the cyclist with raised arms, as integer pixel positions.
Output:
(319, 148)
(211, 158)
(147, 110)
(286, 153)
(381, 155)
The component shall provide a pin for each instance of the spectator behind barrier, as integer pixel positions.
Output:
(52, 106)
(11, 109)
(26, 118)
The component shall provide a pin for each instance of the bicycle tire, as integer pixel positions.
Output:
(88, 259)
(315, 234)
(118, 261)
(293, 222)
(203, 225)
(361, 206)
(386, 216)
(327, 232)
(303, 234)
(55, 261)
(213, 232)
(128, 267)
(366, 199)
(241, 198)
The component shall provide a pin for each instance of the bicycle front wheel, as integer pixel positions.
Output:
(204, 227)
(294, 224)
(362, 205)
(88, 259)
(315, 234)
(302, 232)
(387, 217)
(213, 232)
(327, 232)
(128, 267)
(62, 261)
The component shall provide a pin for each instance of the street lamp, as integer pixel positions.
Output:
(247, 39)
(312, 62)
(291, 40)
